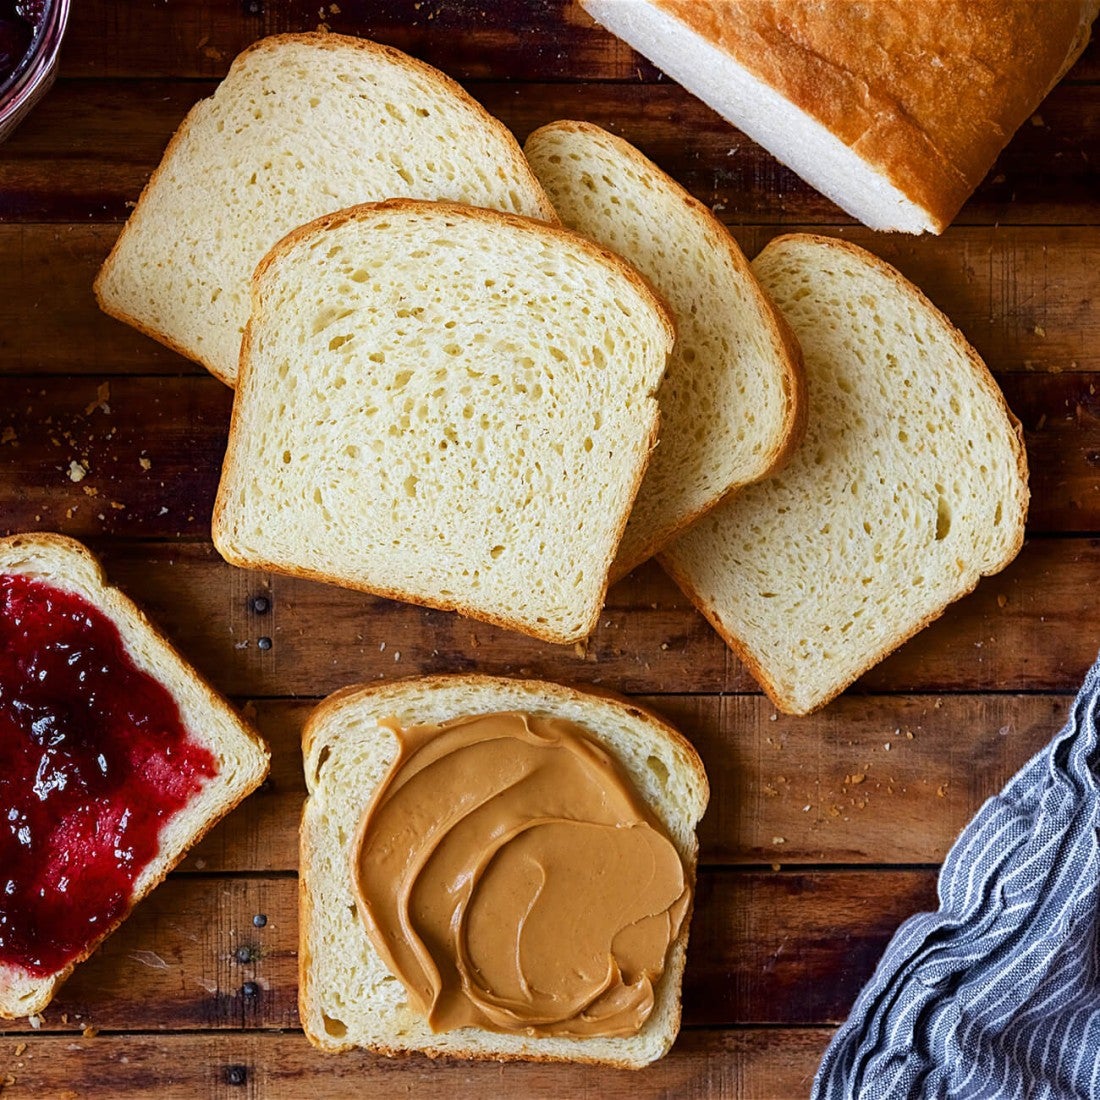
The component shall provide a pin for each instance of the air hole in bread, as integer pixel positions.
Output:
(943, 519)
(322, 759)
(336, 1028)
(659, 769)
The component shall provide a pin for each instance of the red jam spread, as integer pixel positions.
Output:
(94, 760)
(19, 20)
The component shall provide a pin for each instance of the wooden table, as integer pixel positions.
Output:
(823, 832)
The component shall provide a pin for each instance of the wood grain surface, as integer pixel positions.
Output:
(823, 833)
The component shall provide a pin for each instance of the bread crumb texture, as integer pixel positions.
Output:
(911, 483)
(446, 406)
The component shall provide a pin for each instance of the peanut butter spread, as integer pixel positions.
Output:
(512, 879)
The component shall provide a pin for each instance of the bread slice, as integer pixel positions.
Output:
(304, 124)
(733, 397)
(894, 109)
(444, 405)
(910, 485)
(347, 998)
(241, 756)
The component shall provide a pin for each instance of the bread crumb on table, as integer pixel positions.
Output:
(102, 396)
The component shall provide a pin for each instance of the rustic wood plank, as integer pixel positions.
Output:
(88, 149)
(1022, 294)
(871, 779)
(507, 39)
(49, 320)
(766, 947)
(822, 789)
(1023, 630)
(752, 1064)
(148, 452)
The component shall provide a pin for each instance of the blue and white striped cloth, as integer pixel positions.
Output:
(997, 995)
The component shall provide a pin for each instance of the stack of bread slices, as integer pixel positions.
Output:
(444, 394)
(490, 382)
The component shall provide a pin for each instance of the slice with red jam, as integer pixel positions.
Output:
(97, 758)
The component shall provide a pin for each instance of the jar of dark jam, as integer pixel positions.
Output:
(30, 37)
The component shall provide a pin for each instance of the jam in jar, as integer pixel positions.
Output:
(19, 22)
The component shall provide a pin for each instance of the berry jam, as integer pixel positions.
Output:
(94, 760)
(19, 21)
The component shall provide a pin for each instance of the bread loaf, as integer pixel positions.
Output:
(894, 109)
(239, 756)
(444, 405)
(733, 397)
(910, 485)
(347, 997)
(304, 124)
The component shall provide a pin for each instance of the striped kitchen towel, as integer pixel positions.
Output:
(996, 995)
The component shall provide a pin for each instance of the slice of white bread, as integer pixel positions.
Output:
(304, 124)
(241, 756)
(910, 485)
(733, 397)
(347, 997)
(894, 109)
(444, 405)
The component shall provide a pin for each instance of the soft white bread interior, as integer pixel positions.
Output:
(894, 109)
(733, 397)
(241, 756)
(910, 485)
(444, 405)
(347, 997)
(303, 124)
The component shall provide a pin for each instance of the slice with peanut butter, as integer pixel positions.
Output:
(496, 868)
(512, 879)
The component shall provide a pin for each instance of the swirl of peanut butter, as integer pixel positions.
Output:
(512, 879)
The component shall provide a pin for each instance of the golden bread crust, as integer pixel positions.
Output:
(926, 93)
